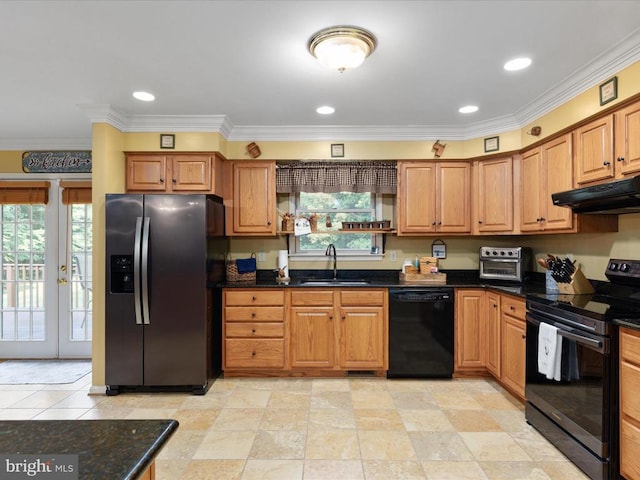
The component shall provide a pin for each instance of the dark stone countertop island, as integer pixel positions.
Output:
(106, 449)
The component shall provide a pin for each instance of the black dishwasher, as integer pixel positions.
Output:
(420, 332)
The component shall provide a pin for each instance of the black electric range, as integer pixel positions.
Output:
(577, 409)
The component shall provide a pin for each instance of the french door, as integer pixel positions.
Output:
(46, 309)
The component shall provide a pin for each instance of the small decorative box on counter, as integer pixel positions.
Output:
(423, 278)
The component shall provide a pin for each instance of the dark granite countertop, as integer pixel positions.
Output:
(390, 279)
(106, 449)
(631, 323)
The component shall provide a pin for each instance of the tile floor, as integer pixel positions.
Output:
(337, 429)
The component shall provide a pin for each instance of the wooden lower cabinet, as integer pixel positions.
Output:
(629, 405)
(494, 334)
(513, 354)
(469, 331)
(253, 329)
(312, 329)
(362, 338)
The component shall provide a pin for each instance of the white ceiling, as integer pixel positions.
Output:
(242, 67)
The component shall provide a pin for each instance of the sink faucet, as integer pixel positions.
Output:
(331, 250)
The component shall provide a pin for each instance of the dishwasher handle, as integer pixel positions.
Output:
(421, 295)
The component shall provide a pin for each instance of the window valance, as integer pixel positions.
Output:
(332, 177)
(75, 192)
(29, 193)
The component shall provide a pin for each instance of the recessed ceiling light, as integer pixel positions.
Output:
(144, 96)
(468, 109)
(325, 110)
(517, 64)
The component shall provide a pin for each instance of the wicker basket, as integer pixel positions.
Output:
(233, 276)
(427, 263)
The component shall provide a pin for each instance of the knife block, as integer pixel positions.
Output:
(579, 284)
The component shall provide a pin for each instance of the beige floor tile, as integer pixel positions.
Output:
(273, 470)
(42, 399)
(10, 398)
(447, 446)
(425, 421)
(333, 470)
(453, 471)
(331, 385)
(493, 447)
(248, 398)
(213, 470)
(284, 419)
(332, 417)
(196, 419)
(238, 419)
(256, 383)
(387, 470)
(225, 445)
(378, 419)
(152, 413)
(106, 413)
(61, 414)
(497, 401)
(170, 469)
(450, 400)
(294, 384)
(381, 445)
(79, 400)
(414, 400)
(563, 471)
(537, 447)
(20, 413)
(407, 385)
(289, 399)
(368, 384)
(182, 445)
(278, 444)
(371, 399)
(514, 471)
(331, 399)
(212, 399)
(472, 421)
(510, 420)
(326, 444)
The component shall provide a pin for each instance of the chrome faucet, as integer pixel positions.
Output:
(331, 250)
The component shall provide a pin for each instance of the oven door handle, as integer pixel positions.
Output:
(563, 332)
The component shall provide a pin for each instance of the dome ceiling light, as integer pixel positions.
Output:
(342, 47)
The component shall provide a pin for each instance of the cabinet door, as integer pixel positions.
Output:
(453, 191)
(362, 345)
(594, 151)
(191, 173)
(312, 337)
(416, 197)
(470, 330)
(254, 195)
(513, 353)
(146, 173)
(627, 140)
(495, 195)
(531, 184)
(558, 177)
(494, 344)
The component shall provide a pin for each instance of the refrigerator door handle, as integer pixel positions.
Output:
(145, 271)
(136, 271)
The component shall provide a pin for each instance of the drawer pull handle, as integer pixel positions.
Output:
(253, 330)
(253, 298)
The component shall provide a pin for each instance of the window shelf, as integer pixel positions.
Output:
(377, 231)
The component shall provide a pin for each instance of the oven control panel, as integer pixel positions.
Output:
(623, 271)
(500, 252)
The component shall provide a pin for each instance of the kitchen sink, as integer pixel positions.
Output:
(330, 282)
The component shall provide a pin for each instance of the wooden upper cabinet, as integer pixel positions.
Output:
(434, 197)
(494, 195)
(545, 170)
(175, 173)
(254, 198)
(627, 140)
(594, 158)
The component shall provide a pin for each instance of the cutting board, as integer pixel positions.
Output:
(423, 278)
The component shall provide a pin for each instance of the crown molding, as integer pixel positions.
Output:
(27, 144)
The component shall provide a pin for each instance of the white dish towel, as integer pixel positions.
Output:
(549, 351)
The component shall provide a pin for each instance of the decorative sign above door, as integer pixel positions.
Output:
(57, 162)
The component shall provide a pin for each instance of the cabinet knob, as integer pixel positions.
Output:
(495, 305)
(606, 164)
(174, 180)
(434, 224)
(331, 317)
(253, 330)
(162, 180)
(253, 354)
(344, 318)
(253, 298)
(511, 307)
(253, 314)
(269, 223)
(620, 159)
(542, 219)
(524, 336)
(479, 221)
(439, 223)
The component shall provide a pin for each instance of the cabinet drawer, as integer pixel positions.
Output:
(362, 297)
(304, 297)
(630, 390)
(254, 314)
(250, 353)
(514, 307)
(266, 329)
(630, 346)
(629, 448)
(254, 297)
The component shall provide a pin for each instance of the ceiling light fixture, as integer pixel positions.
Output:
(517, 64)
(468, 109)
(144, 96)
(325, 110)
(342, 47)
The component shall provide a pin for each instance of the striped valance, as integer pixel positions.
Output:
(333, 177)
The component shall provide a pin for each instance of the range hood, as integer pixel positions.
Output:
(621, 196)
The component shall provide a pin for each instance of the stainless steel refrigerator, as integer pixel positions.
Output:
(160, 333)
